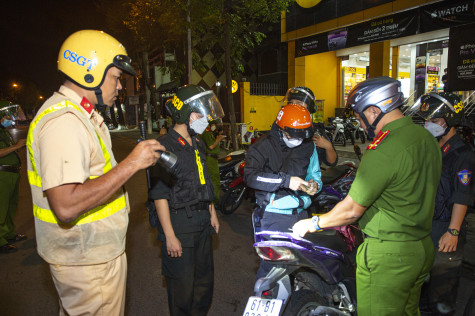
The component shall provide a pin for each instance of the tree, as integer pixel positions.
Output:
(242, 22)
(154, 23)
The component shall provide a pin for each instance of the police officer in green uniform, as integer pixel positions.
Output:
(455, 196)
(393, 198)
(183, 197)
(212, 152)
(9, 186)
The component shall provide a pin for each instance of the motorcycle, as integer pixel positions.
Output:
(314, 275)
(228, 167)
(353, 130)
(336, 131)
(235, 193)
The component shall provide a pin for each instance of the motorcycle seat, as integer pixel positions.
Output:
(328, 238)
(332, 174)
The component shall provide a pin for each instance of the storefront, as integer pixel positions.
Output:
(355, 63)
(410, 44)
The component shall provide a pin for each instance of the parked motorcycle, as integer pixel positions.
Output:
(228, 167)
(235, 193)
(336, 131)
(336, 185)
(353, 130)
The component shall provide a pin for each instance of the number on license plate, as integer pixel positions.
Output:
(257, 306)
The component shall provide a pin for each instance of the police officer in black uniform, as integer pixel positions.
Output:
(455, 196)
(183, 199)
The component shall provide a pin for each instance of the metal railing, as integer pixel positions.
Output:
(258, 88)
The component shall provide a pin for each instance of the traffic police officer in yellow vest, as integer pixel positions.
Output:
(393, 198)
(79, 202)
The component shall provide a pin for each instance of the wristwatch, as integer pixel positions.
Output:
(453, 231)
(315, 221)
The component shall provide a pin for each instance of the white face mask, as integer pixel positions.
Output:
(293, 142)
(435, 129)
(199, 125)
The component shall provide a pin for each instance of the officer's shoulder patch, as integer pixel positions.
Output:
(87, 105)
(181, 141)
(465, 176)
(446, 148)
(377, 140)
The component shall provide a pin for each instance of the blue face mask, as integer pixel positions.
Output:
(7, 123)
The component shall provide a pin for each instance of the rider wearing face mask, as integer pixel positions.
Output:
(283, 167)
(183, 197)
(454, 201)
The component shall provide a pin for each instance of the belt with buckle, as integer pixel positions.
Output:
(7, 168)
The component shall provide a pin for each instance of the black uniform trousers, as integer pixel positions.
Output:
(445, 272)
(190, 277)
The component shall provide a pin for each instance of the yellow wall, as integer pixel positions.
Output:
(319, 73)
(265, 107)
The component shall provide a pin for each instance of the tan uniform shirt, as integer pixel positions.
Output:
(67, 150)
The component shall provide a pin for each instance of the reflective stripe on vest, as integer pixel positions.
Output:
(34, 178)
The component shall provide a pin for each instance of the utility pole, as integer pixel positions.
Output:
(188, 19)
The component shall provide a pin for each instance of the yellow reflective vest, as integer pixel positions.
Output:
(96, 236)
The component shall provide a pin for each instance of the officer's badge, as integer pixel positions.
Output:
(377, 140)
(181, 141)
(424, 107)
(445, 149)
(87, 105)
(465, 176)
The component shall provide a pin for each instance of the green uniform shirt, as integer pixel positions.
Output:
(397, 181)
(209, 140)
(6, 140)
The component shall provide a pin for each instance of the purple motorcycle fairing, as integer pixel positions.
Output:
(329, 263)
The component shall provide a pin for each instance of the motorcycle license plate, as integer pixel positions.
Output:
(257, 306)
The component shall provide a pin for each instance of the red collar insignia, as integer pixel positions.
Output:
(378, 139)
(181, 141)
(445, 149)
(87, 105)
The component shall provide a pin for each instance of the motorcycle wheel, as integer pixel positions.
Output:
(303, 302)
(232, 199)
(340, 139)
(362, 137)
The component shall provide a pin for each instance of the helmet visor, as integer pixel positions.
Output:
(299, 96)
(432, 106)
(124, 63)
(206, 103)
(299, 132)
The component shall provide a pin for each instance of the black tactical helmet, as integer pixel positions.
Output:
(193, 98)
(444, 105)
(382, 92)
(302, 94)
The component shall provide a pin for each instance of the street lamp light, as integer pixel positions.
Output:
(15, 85)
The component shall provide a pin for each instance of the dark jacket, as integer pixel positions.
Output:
(456, 183)
(270, 164)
